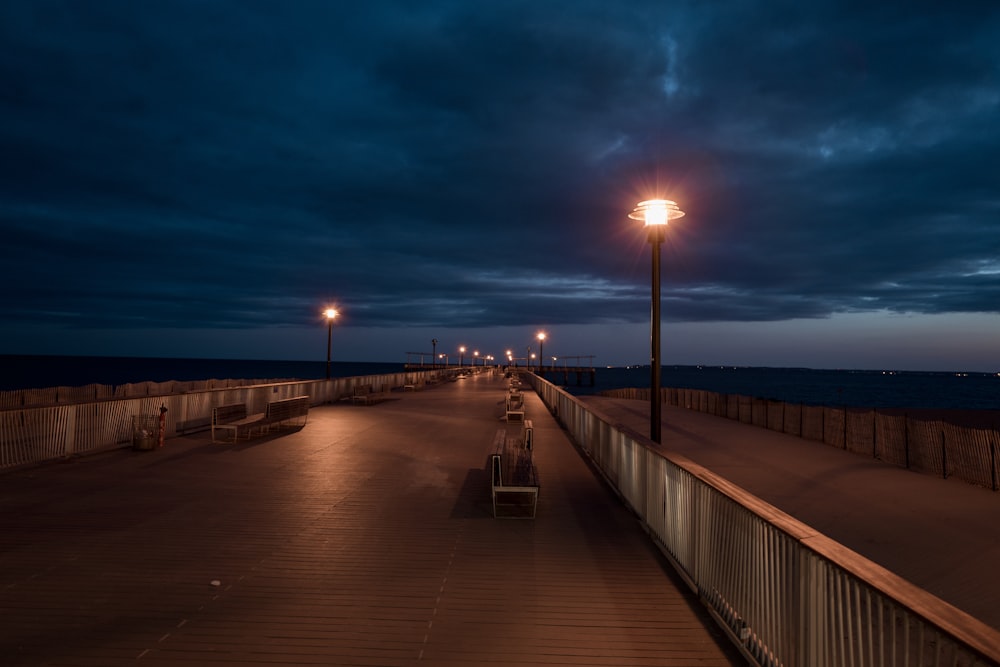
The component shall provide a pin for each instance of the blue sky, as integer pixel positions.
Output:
(202, 179)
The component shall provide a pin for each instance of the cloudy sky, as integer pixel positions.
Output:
(201, 178)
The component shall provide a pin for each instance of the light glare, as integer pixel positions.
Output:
(654, 212)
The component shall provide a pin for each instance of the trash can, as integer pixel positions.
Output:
(144, 433)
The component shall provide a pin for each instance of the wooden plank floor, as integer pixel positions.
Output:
(364, 538)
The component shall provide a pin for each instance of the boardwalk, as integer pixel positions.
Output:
(364, 538)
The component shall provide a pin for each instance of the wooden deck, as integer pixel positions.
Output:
(364, 538)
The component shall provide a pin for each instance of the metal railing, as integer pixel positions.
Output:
(784, 593)
(32, 435)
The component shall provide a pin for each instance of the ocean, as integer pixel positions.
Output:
(852, 388)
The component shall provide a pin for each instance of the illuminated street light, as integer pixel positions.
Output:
(331, 314)
(655, 214)
(461, 355)
(541, 350)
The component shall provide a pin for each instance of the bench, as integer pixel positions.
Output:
(513, 482)
(285, 409)
(515, 407)
(515, 400)
(367, 395)
(233, 418)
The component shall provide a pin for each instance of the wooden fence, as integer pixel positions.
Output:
(934, 446)
(48, 424)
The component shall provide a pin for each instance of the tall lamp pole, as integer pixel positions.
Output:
(461, 356)
(331, 314)
(541, 351)
(434, 345)
(655, 214)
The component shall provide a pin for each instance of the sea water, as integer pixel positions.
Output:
(854, 388)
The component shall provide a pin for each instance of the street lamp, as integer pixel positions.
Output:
(541, 350)
(331, 314)
(475, 358)
(461, 355)
(434, 346)
(655, 214)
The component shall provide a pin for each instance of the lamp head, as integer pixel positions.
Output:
(656, 212)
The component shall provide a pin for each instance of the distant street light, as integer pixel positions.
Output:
(331, 314)
(655, 214)
(461, 356)
(434, 346)
(541, 351)
(475, 358)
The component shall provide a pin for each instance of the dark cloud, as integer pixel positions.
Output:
(232, 165)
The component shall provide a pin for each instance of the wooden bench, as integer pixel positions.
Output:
(514, 406)
(515, 400)
(528, 435)
(366, 394)
(233, 418)
(513, 481)
(285, 409)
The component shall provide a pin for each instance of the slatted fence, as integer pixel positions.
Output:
(932, 446)
(41, 425)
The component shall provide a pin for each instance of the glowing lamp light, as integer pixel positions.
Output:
(655, 212)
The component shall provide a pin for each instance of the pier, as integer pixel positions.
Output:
(366, 537)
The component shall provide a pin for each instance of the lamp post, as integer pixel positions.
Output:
(461, 356)
(541, 351)
(434, 349)
(475, 358)
(655, 213)
(331, 314)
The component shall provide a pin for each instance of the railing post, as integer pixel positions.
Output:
(944, 456)
(70, 444)
(874, 434)
(906, 439)
(993, 462)
(845, 427)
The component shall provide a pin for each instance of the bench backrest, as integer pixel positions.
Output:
(287, 408)
(223, 414)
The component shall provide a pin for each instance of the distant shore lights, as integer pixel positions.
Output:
(331, 315)
(655, 215)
